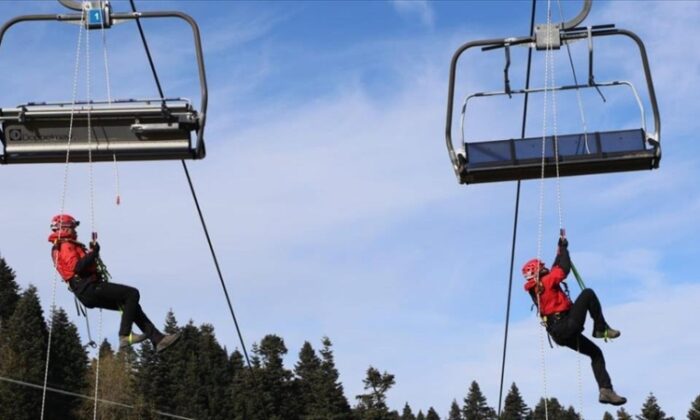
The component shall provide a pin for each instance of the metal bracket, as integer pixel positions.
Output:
(98, 12)
(548, 36)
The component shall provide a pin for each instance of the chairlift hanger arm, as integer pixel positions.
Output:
(565, 36)
(199, 150)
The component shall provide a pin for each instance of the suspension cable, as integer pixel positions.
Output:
(517, 210)
(194, 195)
(76, 71)
(85, 397)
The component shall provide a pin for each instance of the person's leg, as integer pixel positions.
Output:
(586, 347)
(114, 296)
(587, 302)
(146, 326)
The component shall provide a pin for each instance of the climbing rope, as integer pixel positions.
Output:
(108, 84)
(62, 208)
(582, 114)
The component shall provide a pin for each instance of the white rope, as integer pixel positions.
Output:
(62, 209)
(92, 203)
(582, 114)
(109, 101)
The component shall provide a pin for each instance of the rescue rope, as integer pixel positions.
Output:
(62, 209)
(108, 82)
(548, 76)
(91, 182)
(516, 212)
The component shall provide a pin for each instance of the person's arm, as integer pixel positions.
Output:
(83, 264)
(561, 266)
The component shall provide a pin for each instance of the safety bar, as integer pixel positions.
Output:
(596, 85)
(565, 36)
(199, 151)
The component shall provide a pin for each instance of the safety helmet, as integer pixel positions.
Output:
(532, 268)
(63, 221)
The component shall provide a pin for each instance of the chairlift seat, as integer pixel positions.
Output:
(521, 159)
(127, 129)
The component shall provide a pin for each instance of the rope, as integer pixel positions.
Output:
(194, 194)
(578, 91)
(547, 77)
(92, 201)
(62, 208)
(109, 100)
(516, 212)
(85, 397)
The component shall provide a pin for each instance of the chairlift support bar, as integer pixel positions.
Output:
(196, 152)
(567, 35)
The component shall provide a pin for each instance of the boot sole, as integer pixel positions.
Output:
(613, 403)
(162, 349)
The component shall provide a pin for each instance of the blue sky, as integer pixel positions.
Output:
(333, 205)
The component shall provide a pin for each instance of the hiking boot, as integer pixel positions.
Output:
(131, 339)
(166, 342)
(608, 333)
(608, 396)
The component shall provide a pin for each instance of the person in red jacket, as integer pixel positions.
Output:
(565, 319)
(78, 266)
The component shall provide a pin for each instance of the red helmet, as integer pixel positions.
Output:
(532, 268)
(63, 221)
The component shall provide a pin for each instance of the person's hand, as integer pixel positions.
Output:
(95, 247)
(563, 242)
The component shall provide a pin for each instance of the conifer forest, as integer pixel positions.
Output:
(199, 379)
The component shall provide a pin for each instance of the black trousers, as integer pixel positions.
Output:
(566, 330)
(117, 297)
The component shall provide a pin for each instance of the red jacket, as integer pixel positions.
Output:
(65, 254)
(552, 299)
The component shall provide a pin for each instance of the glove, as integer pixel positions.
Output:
(563, 242)
(95, 247)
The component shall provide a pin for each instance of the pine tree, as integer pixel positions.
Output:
(455, 412)
(331, 392)
(475, 406)
(373, 404)
(554, 410)
(9, 292)
(622, 414)
(694, 412)
(432, 414)
(652, 411)
(114, 385)
(308, 378)
(278, 387)
(68, 367)
(571, 414)
(608, 416)
(211, 371)
(420, 415)
(515, 407)
(154, 380)
(22, 357)
(407, 413)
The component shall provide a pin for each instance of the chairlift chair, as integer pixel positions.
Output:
(132, 129)
(578, 154)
